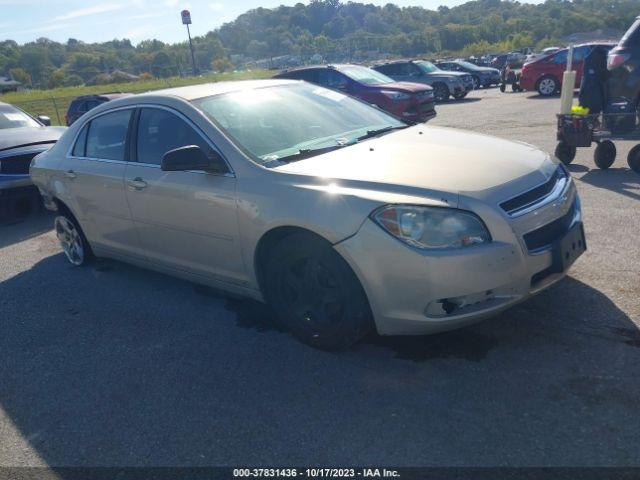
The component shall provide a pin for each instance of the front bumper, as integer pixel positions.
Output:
(419, 112)
(406, 287)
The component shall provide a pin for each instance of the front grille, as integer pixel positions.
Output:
(16, 164)
(544, 236)
(533, 196)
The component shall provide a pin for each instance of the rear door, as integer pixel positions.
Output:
(185, 220)
(94, 179)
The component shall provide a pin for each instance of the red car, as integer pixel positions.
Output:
(412, 102)
(544, 74)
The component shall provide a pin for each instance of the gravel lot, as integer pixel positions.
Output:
(114, 365)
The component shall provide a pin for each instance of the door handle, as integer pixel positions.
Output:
(70, 174)
(137, 183)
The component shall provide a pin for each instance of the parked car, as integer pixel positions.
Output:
(413, 102)
(482, 76)
(544, 75)
(444, 84)
(543, 53)
(623, 64)
(81, 105)
(21, 138)
(342, 217)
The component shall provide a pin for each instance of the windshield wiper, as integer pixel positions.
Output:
(380, 131)
(308, 152)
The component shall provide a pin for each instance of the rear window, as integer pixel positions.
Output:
(632, 36)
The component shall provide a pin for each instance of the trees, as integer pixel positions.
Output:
(333, 29)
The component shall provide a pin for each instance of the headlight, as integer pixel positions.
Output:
(432, 227)
(396, 95)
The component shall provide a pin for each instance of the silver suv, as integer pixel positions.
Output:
(445, 84)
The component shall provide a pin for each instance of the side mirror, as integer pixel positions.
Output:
(192, 157)
(43, 119)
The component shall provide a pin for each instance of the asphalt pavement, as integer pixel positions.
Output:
(112, 365)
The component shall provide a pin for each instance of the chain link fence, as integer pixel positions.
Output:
(55, 107)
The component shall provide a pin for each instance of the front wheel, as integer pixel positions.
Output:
(73, 242)
(605, 154)
(315, 294)
(547, 86)
(441, 92)
(633, 159)
(565, 153)
(503, 87)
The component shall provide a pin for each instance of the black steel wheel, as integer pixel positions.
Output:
(605, 154)
(315, 294)
(565, 153)
(503, 87)
(633, 159)
(441, 92)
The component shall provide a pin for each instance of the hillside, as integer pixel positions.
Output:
(322, 28)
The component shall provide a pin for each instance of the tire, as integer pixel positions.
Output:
(565, 153)
(460, 96)
(515, 87)
(441, 92)
(315, 294)
(633, 159)
(476, 82)
(547, 86)
(74, 244)
(503, 87)
(605, 154)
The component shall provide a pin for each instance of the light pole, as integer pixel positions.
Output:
(186, 20)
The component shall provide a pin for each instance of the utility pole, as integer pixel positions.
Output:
(186, 20)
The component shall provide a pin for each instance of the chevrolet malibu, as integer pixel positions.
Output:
(340, 216)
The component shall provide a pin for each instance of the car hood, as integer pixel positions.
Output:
(487, 69)
(26, 136)
(409, 87)
(443, 73)
(433, 162)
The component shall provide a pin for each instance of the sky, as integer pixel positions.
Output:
(137, 20)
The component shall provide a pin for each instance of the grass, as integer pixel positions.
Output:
(54, 103)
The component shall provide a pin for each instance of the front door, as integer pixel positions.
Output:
(185, 220)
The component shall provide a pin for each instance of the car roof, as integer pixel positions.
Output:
(193, 92)
(108, 96)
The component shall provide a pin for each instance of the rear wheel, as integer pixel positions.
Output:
(503, 87)
(458, 96)
(565, 153)
(605, 154)
(441, 92)
(547, 86)
(72, 240)
(476, 82)
(633, 159)
(315, 294)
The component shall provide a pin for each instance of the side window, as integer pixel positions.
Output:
(81, 143)
(160, 131)
(89, 104)
(580, 53)
(413, 70)
(560, 57)
(332, 79)
(391, 69)
(107, 135)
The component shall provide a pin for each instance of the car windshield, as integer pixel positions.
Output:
(427, 67)
(275, 122)
(11, 117)
(462, 63)
(365, 75)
